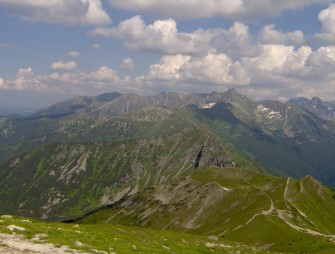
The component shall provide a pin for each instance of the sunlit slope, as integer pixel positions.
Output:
(281, 214)
(64, 180)
(42, 237)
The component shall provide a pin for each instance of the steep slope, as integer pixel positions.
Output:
(323, 109)
(62, 181)
(22, 135)
(289, 140)
(237, 204)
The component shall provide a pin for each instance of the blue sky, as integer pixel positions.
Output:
(56, 49)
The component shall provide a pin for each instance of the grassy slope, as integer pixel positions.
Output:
(120, 239)
(23, 135)
(62, 181)
(241, 212)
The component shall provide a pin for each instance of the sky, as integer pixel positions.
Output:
(51, 50)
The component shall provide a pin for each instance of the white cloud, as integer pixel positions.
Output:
(212, 69)
(327, 18)
(74, 54)
(127, 64)
(96, 46)
(269, 35)
(63, 66)
(277, 71)
(3, 83)
(25, 79)
(233, 9)
(67, 12)
(102, 80)
(168, 68)
(161, 37)
(237, 41)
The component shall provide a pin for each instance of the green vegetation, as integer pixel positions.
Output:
(166, 176)
(106, 238)
(235, 204)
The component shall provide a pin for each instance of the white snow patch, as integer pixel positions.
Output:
(208, 105)
(262, 108)
(274, 114)
(270, 113)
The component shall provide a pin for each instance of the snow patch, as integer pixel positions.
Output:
(270, 113)
(208, 105)
(262, 108)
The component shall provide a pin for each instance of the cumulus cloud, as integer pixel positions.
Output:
(25, 79)
(67, 12)
(104, 79)
(276, 71)
(74, 54)
(127, 64)
(63, 66)
(327, 18)
(213, 68)
(233, 9)
(237, 41)
(161, 37)
(269, 35)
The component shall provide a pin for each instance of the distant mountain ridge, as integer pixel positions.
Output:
(323, 109)
(294, 138)
(117, 104)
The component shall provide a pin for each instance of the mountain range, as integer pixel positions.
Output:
(218, 164)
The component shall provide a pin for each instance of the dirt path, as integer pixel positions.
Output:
(282, 214)
(265, 212)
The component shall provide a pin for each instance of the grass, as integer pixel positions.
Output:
(121, 239)
(200, 202)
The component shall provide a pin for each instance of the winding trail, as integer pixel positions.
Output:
(283, 214)
(265, 212)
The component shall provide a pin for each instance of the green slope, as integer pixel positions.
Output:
(63, 180)
(111, 239)
(297, 144)
(17, 136)
(235, 204)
